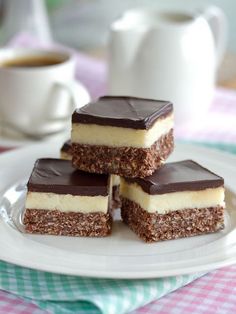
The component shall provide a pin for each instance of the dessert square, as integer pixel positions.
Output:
(65, 201)
(181, 199)
(66, 153)
(127, 136)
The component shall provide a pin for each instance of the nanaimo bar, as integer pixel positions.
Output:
(126, 136)
(182, 199)
(65, 201)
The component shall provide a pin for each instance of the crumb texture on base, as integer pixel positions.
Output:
(67, 224)
(123, 161)
(154, 227)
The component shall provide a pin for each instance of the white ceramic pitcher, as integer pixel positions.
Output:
(168, 55)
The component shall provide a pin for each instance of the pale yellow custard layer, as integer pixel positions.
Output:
(65, 156)
(67, 202)
(163, 203)
(115, 180)
(93, 134)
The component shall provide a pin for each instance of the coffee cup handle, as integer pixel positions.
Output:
(61, 102)
(219, 27)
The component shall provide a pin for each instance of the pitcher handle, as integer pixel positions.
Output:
(219, 27)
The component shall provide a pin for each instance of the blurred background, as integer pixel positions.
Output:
(84, 24)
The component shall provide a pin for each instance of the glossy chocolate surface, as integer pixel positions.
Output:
(185, 175)
(58, 176)
(66, 147)
(121, 111)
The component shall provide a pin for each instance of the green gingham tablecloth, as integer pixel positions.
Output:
(70, 294)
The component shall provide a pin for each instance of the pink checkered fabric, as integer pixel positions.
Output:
(214, 293)
(11, 304)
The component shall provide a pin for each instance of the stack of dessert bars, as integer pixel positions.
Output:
(117, 158)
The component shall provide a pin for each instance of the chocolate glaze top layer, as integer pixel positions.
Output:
(123, 111)
(66, 147)
(58, 176)
(185, 175)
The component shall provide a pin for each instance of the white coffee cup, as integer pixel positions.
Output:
(38, 100)
(168, 55)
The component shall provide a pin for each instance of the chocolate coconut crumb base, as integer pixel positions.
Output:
(55, 222)
(123, 161)
(154, 227)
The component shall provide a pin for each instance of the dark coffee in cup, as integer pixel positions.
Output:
(32, 61)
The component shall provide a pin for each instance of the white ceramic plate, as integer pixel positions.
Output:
(123, 254)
